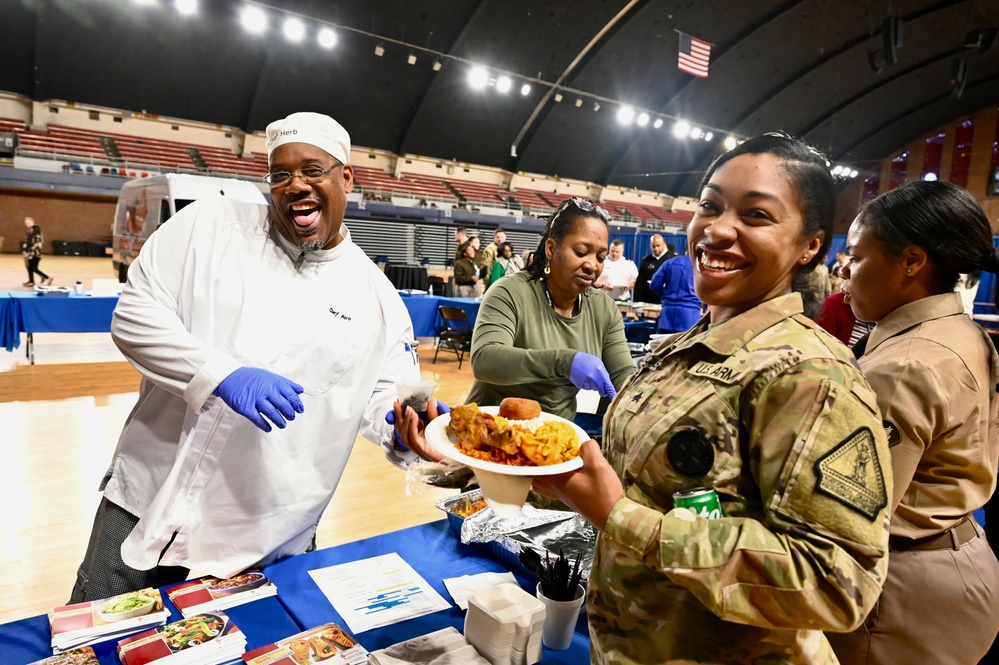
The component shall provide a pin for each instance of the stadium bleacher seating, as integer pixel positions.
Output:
(374, 180)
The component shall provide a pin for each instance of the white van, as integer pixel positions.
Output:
(146, 203)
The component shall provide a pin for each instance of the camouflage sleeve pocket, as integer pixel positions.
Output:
(837, 480)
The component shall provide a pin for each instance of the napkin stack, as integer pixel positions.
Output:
(444, 647)
(504, 624)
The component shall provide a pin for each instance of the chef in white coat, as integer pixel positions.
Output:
(243, 318)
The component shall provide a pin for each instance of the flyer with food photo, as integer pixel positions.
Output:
(209, 594)
(86, 623)
(82, 656)
(208, 637)
(328, 644)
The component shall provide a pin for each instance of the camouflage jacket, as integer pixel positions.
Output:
(773, 413)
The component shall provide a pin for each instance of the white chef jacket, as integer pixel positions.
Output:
(216, 289)
(619, 274)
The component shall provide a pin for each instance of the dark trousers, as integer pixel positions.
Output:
(103, 574)
(33, 268)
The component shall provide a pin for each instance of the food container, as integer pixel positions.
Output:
(144, 607)
(505, 625)
(416, 394)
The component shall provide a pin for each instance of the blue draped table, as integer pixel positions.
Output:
(433, 552)
(262, 621)
(423, 310)
(28, 312)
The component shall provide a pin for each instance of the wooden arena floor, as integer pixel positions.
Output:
(60, 420)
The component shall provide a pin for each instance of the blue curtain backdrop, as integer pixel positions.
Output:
(636, 245)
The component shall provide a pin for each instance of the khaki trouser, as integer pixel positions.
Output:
(938, 607)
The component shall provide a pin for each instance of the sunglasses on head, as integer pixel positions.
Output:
(582, 205)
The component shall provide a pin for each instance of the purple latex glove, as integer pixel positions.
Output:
(255, 393)
(588, 373)
(442, 408)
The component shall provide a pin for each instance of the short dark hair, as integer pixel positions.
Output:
(461, 229)
(617, 241)
(941, 218)
(809, 172)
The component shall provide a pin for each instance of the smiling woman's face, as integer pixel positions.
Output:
(746, 237)
(578, 259)
(310, 215)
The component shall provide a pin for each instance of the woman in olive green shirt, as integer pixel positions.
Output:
(544, 333)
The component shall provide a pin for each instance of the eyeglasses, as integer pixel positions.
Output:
(310, 175)
(582, 205)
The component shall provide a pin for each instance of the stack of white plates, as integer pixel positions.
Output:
(504, 625)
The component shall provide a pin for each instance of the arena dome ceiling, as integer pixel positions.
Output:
(804, 66)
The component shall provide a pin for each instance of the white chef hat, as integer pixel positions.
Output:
(315, 129)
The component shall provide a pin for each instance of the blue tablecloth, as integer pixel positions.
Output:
(28, 312)
(262, 621)
(423, 311)
(433, 552)
(639, 331)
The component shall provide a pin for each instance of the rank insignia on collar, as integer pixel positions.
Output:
(892, 432)
(690, 453)
(851, 474)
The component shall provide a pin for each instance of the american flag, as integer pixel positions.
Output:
(694, 56)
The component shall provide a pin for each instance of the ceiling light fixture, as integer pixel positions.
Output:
(294, 30)
(437, 64)
(326, 38)
(525, 89)
(253, 20)
(730, 142)
(625, 115)
(696, 132)
(642, 119)
(708, 136)
(379, 49)
(681, 129)
(478, 78)
(658, 123)
(503, 84)
(596, 106)
(558, 97)
(186, 7)
(837, 169)
(930, 177)
(411, 58)
(854, 173)
(579, 102)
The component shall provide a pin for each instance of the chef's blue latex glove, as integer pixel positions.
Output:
(255, 393)
(442, 408)
(588, 373)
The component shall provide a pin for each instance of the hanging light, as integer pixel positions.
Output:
(625, 115)
(681, 129)
(326, 38)
(411, 58)
(437, 64)
(478, 78)
(380, 50)
(253, 20)
(525, 89)
(294, 29)
(503, 84)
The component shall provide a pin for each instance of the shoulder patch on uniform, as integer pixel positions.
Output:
(891, 431)
(851, 474)
(717, 372)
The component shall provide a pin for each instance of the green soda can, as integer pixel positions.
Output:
(702, 502)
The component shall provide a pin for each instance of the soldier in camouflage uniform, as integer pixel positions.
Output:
(760, 404)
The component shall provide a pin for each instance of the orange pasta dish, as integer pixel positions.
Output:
(497, 439)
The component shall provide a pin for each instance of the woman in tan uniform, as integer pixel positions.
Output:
(935, 373)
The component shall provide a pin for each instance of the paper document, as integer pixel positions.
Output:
(377, 592)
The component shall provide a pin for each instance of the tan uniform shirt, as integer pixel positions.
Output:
(772, 412)
(935, 373)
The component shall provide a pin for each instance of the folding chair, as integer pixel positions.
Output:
(457, 332)
(436, 285)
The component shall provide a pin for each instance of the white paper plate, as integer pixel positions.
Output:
(436, 434)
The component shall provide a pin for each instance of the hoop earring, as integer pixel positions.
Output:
(548, 269)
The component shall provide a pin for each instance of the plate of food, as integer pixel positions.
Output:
(126, 606)
(192, 631)
(515, 438)
(239, 583)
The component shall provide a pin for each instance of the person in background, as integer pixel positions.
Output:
(838, 320)
(673, 284)
(490, 253)
(33, 243)
(242, 317)
(967, 286)
(935, 374)
(507, 263)
(835, 280)
(619, 275)
(460, 238)
(761, 405)
(661, 252)
(467, 282)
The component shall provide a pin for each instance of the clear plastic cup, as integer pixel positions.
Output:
(416, 394)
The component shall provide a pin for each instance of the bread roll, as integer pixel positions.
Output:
(517, 408)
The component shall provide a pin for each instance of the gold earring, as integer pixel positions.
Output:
(804, 259)
(548, 269)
